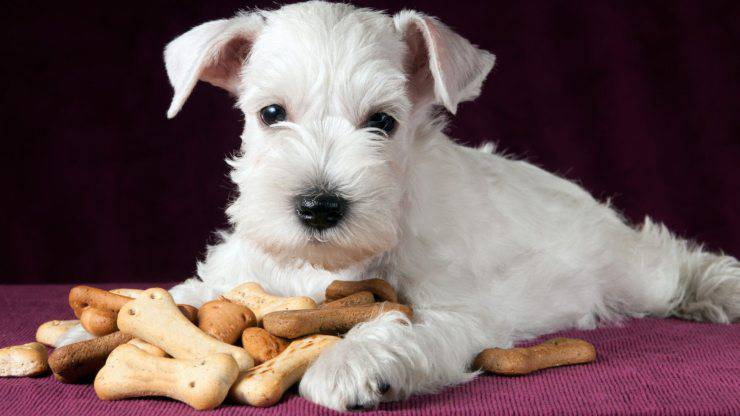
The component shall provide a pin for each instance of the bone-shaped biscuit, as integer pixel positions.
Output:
(83, 297)
(294, 324)
(265, 384)
(382, 290)
(155, 318)
(101, 322)
(98, 309)
(201, 383)
(132, 293)
(49, 332)
(80, 361)
(551, 353)
(360, 298)
(148, 348)
(23, 360)
(261, 303)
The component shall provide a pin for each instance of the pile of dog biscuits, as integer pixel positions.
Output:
(146, 345)
(248, 345)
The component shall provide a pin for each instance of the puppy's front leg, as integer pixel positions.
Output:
(390, 358)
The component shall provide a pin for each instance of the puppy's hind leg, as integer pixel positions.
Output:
(679, 278)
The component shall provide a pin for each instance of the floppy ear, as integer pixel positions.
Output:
(441, 65)
(213, 52)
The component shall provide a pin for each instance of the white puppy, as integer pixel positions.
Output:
(344, 173)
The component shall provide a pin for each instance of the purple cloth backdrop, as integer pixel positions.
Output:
(638, 101)
(646, 367)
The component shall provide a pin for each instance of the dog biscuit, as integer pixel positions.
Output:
(294, 324)
(155, 318)
(101, 322)
(80, 361)
(225, 320)
(23, 360)
(265, 384)
(83, 297)
(261, 303)
(262, 345)
(190, 312)
(131, 293)
(49, 332)
(382, 290)
(201, 383)
(355, 299)
(147, 347)
(551, 353)
(98, 322)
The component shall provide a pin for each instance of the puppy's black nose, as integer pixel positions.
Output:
(320, 210)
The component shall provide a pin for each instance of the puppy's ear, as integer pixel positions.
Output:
(213, 52)
(441, 65)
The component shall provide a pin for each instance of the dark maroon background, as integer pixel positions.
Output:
(638, 101)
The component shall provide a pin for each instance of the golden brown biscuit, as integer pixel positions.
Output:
(225, 320)
(355, 299)
(382, 290)
(294, 324)
(551, 353)
(262, 345)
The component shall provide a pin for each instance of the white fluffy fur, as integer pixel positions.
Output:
(488, 250)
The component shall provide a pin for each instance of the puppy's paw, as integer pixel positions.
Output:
(376, 362)
(355, 375)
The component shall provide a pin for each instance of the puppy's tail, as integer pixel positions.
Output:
(691, 283)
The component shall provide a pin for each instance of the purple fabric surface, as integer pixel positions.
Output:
(649, 366)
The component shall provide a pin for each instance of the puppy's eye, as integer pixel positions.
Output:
(381, 121)
(272, 114)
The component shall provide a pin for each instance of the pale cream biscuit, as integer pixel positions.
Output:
(265, 384)
(49, 332)
(261, 303)
(201, 383)
(148, 348)
(23, 360)
(132, 293)
(155, 318)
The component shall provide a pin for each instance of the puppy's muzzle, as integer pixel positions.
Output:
(320, 210)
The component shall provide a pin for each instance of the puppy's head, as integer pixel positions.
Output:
(334, 98)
